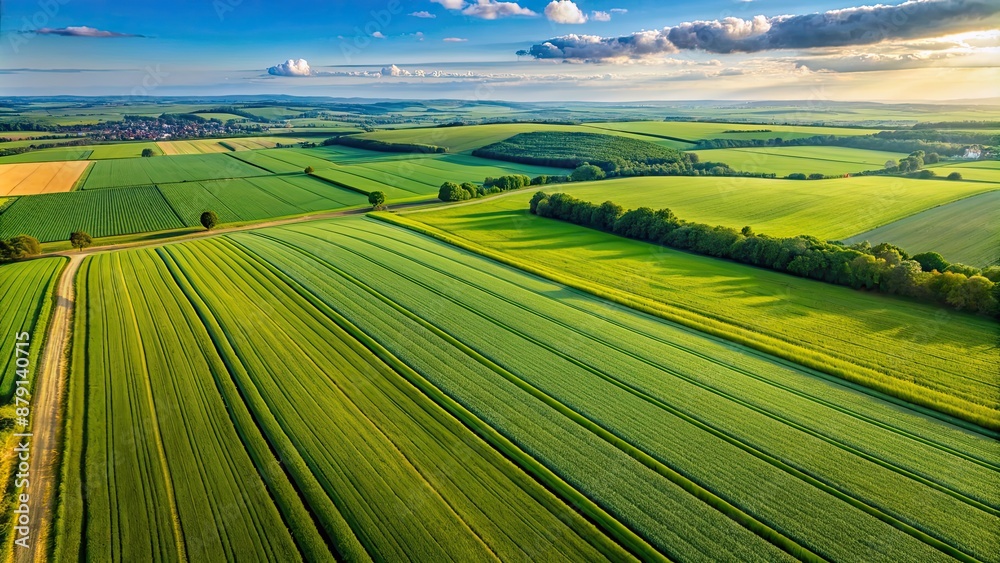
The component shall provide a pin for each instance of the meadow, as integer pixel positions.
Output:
(829, 161)
(698, 433)
(917, 351)
(40, 178)
(122, 150)
(370, 467)
(827, 209)
(128, 172)
(966, 231)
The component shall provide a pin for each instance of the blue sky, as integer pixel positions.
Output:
(227, 46)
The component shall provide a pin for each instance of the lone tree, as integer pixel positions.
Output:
(80, 240)
(209, 220)
(309, 170)
(955, 176)
(146, 153)
(377, 199)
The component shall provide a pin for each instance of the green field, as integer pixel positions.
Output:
(467, 138)
(978, 171)
(829, 161)
(167, 169)
(966, 231)
(122, 150)
(48, 155)
(584, 384)
(827, 209)
(26, 294)
(182, 405)
(915, 350)
(101, 213)
(695, 131)
(254, 199)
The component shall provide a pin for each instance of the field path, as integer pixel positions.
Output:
(46, 416)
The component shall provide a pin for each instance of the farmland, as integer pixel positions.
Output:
(208, 146)
(122, 150)
(695, 131)
(40, 178)
(26, 293)
(48, 155)
(965, 231)
(828, 209)
(829, 161)
(154, 384)
(99, 212)
(167, 169)
(609, 387)
(465, 139)
(832, 328)
(256, 198)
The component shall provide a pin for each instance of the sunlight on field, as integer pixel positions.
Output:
(39, 178)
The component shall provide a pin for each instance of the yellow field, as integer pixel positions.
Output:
(255, 143)
(39, 177)
(191, 147)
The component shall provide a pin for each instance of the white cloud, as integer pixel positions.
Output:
(599, 16)
(566, 12)
(618, 11)
(81, 31)
(454, 40)
(296, 67)
(491, 10)
(423, 14)
(378, 35)
(451, 4)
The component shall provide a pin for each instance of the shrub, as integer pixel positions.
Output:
(955, 176)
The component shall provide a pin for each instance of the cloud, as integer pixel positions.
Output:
(451, 4)
(566, 12)
(491, 9)
(599, 16)
(297, 67)
(423, 14)
(81, 31)
(454, 40)
(618, 11)
(862, 25)
(378, 35)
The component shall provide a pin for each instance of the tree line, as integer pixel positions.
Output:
(884, 267)
(382, 146)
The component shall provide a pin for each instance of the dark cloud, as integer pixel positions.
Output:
(81, 31)
(862, 25)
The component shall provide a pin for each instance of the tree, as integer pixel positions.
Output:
(146, 153)
(209, 220)
(747, 231)
(891, 164)
(955, 176)
(450, 191)
(80, 240)
(20, 247)
(930, 261)
(377, 199)
(587, 173)
(816, 176)
(309, 170)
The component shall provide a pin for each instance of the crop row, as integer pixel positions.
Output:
(780, 465)
(128, 172)
(25, 291)
(182, 386)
